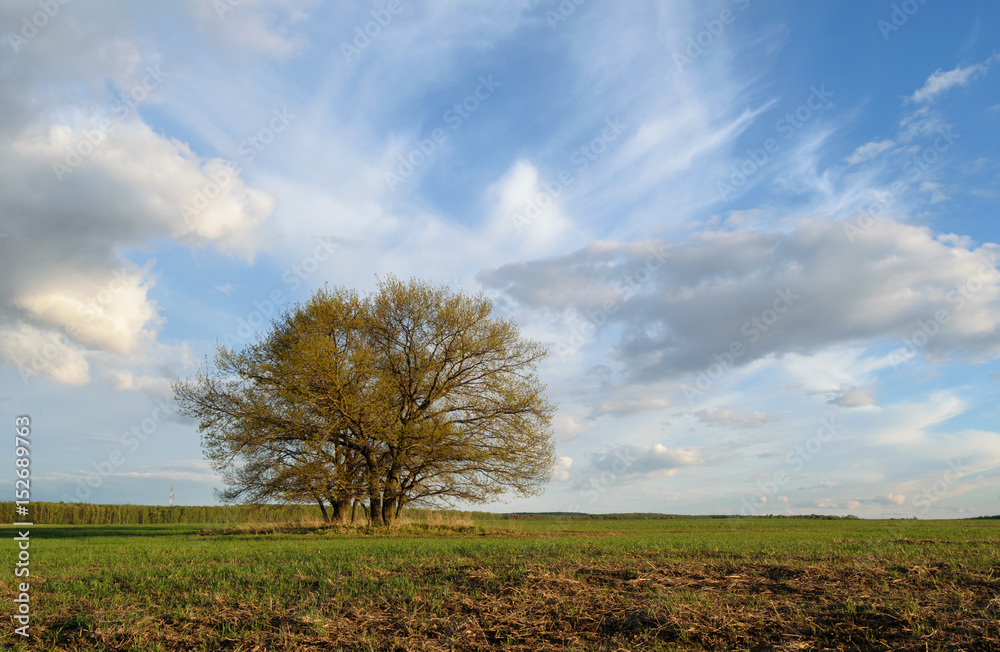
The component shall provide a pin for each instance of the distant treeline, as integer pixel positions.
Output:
(580, 516)
(43, 513)
(637, 516)
(88, 514)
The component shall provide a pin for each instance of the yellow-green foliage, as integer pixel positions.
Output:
(413, 395)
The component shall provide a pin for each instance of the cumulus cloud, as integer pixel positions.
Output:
(629, 459)
(832, 503)
(896, 499)
(733, 297)
(734, 416)
(88, 179)
(73, 280)
(36, 352)
(560, 473)
(111, 316)
(134, 185)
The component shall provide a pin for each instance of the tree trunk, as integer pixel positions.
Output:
(374, 491)
(374, 509)
(340, 511)
(389, 500)
(388, 516)
(354, 509)
(322, 508)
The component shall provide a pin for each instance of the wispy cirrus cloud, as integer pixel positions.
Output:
(869, 151)
(942, 81)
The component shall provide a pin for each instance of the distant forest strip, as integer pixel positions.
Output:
(43, 513)
(46, 513)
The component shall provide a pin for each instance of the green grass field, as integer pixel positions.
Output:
(719, 584)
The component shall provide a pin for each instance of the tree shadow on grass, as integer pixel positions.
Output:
(94, 531)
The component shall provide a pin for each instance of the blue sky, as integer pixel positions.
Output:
(760, 241)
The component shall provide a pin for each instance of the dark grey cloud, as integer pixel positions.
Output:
(738, 296)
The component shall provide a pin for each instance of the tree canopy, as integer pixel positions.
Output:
(411, 395)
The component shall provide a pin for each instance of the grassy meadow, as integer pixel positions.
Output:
(453, 583)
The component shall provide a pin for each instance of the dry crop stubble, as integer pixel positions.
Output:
(654, 584)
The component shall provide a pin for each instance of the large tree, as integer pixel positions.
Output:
(414, 394)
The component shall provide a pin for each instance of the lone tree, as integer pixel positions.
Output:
(412, 395)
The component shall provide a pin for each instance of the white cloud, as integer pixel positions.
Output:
(527, 208)
(256, 25)
(561, 471)
(829, 484)
(632, 459)
(854, 503)
(869, 151)
(36, 352)
(853, 397)
(629, 401)
(109, 315)
(907, 423)
(923, 120)
(83, 168)
(137, 182)
(568, 427)
(834, 369)
(126, 381)
(941, 81)
(734, 416)
(191, 476)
